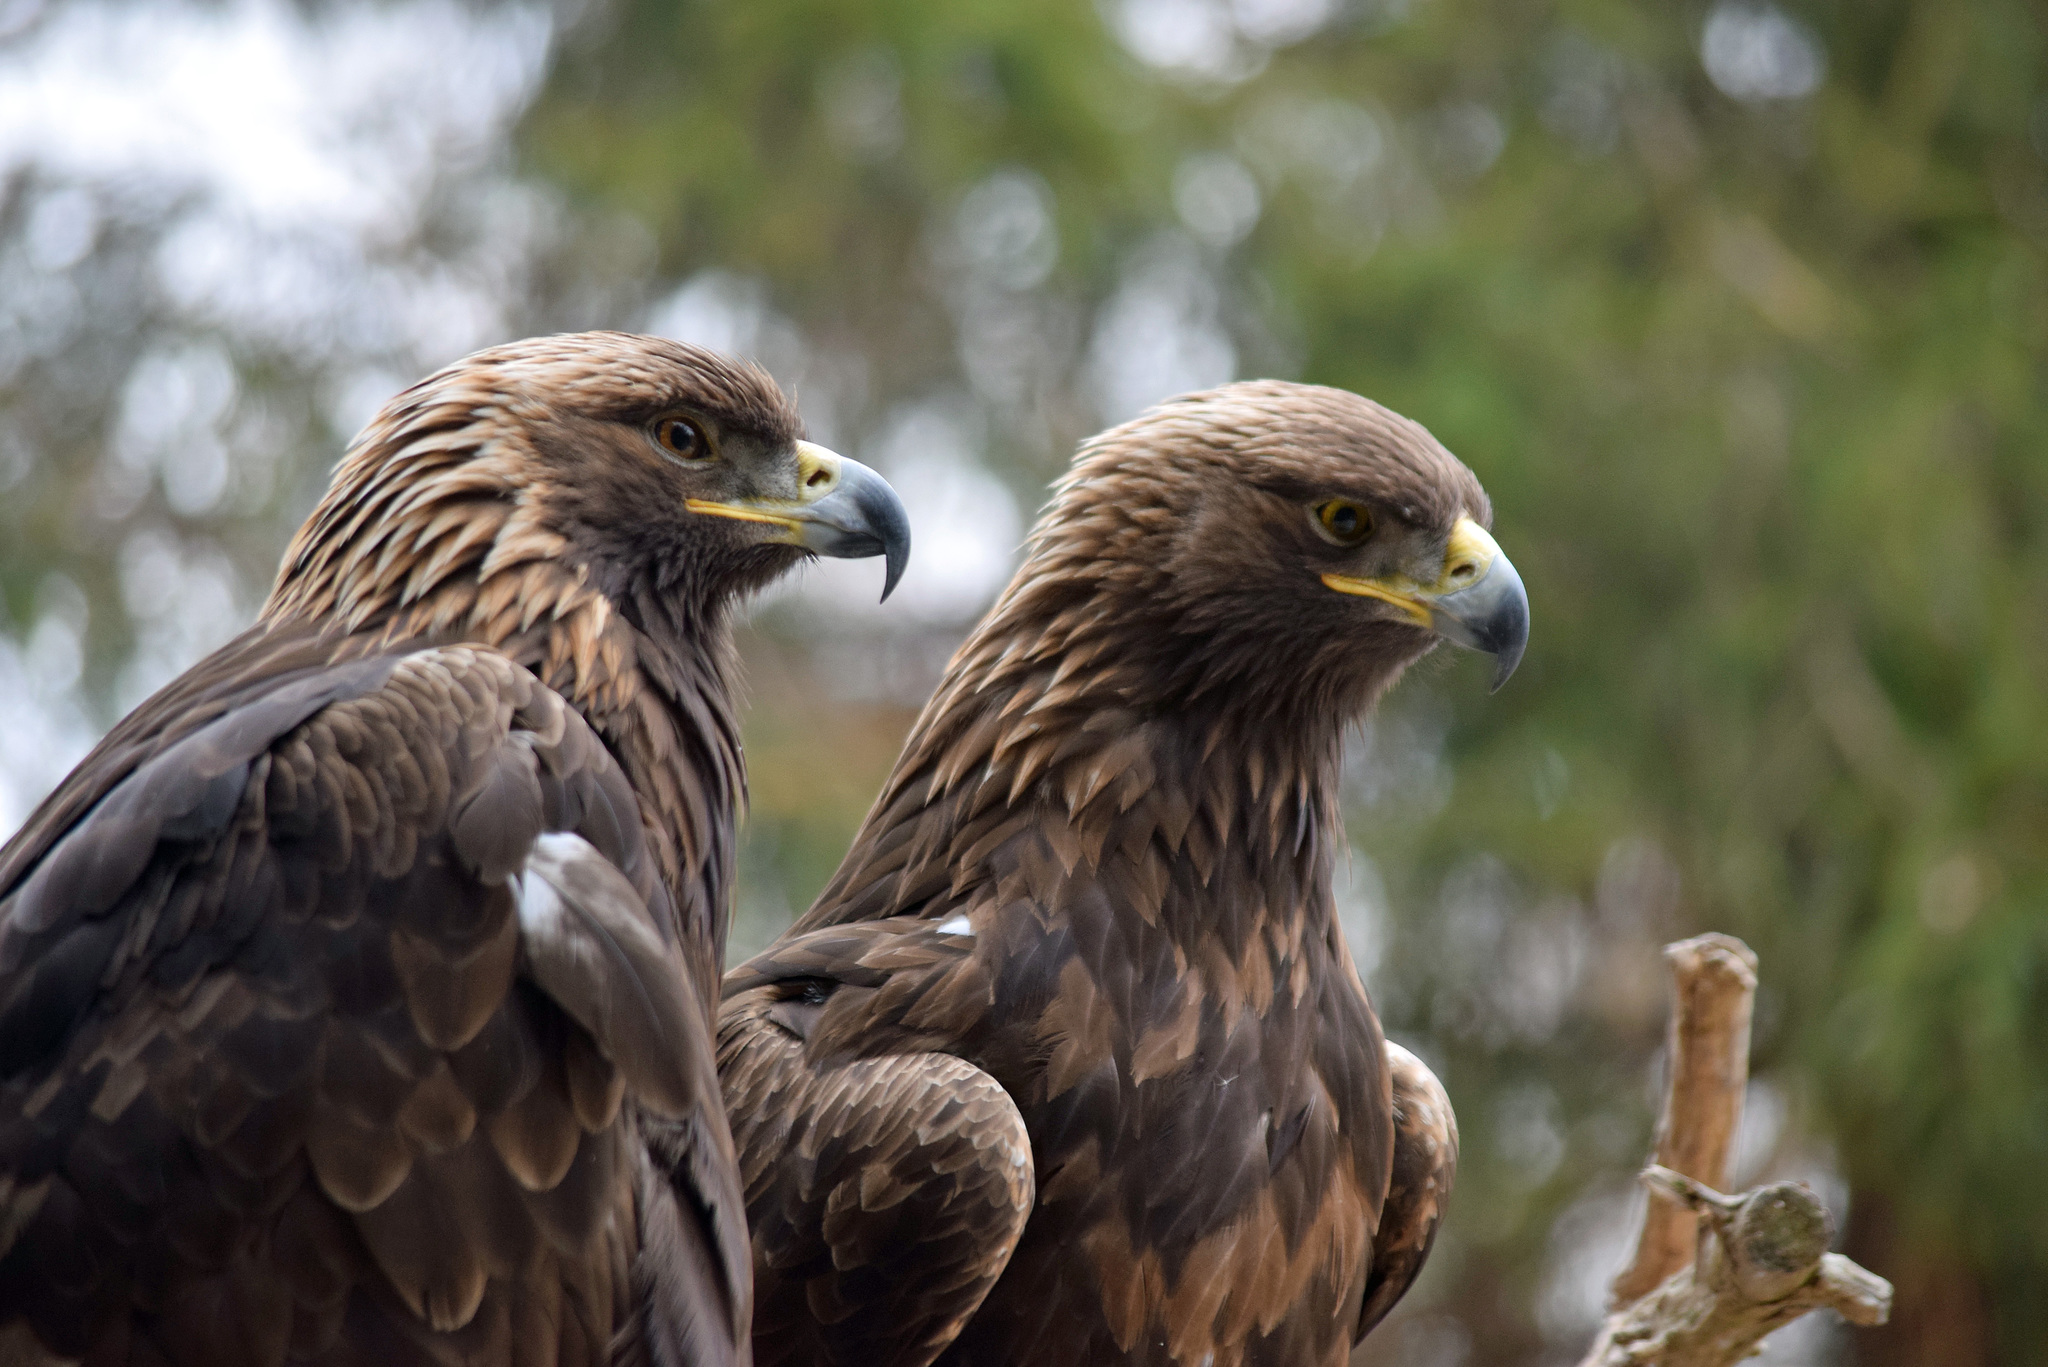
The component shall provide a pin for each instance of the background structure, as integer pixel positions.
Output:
(1740, 311)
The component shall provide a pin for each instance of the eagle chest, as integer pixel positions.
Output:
(1209, 1164)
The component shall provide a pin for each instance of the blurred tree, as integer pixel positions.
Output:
(1739, 310)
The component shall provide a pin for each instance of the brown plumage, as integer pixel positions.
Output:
(1069, 1063)
(355, 991)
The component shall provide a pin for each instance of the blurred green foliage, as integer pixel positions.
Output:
(1739, 312)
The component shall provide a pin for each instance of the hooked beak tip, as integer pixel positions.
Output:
(897, 557)
(861, 517)
(1504, 665)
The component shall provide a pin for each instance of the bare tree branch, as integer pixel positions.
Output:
(1718, 1273)
(1713, 982)
(1762, 1262)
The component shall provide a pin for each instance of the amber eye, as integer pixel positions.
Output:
(682, 439)
(1344, 522)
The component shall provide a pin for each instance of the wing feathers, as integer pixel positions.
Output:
(494, 823)
(537, 1135)
(335, 1023)
(886, 1195)
(595, 1087)
(502, 1063)
(421, 1244)
(437, 1117)
(452, 996)
(589, 943)
(358, 1165)
(1425, 1164)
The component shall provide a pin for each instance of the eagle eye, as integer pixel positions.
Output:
(683, 439)
(1343, 521)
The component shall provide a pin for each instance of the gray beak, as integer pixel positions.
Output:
(860, 516)
(1474, 598)
(842, 509)
(1491, 614)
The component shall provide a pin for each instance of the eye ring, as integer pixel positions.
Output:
(683, 439)
(1343, 521)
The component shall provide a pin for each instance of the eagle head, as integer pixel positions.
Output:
(538, 473)
(1285, 543)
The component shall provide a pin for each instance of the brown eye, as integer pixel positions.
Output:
(1344, 522)
(682, 438)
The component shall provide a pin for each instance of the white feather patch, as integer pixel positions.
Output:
(590, 944)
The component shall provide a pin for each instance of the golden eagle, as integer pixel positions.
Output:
(1069, 1063)
(355, 991)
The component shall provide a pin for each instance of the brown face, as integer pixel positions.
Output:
(1307, 533)
(683, 464)
(1452, 582)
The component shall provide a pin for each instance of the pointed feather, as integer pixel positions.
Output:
(588, 942)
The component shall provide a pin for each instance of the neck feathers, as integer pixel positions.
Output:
(1045, 734)
(434, 531)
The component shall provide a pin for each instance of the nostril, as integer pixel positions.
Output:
(818, 479)
(1463, 571)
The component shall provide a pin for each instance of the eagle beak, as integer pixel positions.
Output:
(843, 510)
(1476, 600)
